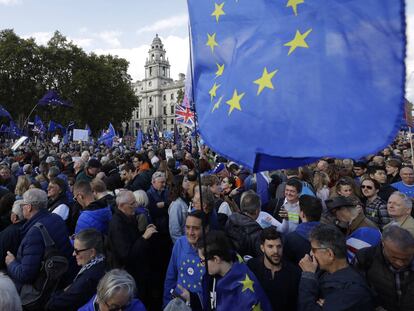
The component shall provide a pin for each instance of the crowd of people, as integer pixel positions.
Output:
(97, 228)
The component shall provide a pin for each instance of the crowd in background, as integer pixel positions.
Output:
(136, 230)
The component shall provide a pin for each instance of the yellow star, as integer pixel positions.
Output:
(211, 41)
(257, 307)
(234, 102)
(298, 41)
(294, 5)
(213, 91)
(247, 284)
(220, 70)
(265, 80)
(218, 11)
(216, 106)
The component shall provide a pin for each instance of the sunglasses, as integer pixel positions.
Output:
(367, 187)
(124, 307)
(78, 251)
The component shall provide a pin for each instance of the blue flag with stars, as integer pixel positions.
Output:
(279, 84)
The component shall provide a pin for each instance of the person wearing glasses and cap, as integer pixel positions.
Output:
(360, 232)
(328, 282)
(88, 251)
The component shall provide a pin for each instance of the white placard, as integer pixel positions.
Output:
(168, 153)
(18, 143)
(80, 135)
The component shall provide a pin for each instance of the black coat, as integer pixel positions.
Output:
(127, 249)
(282, 289)
(371, 262)
(244, 232)
(10, 239)
(79, 292)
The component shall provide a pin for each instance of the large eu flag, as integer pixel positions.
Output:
(282, 83)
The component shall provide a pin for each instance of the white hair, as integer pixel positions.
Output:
(124, 196)
(17, 209)
(9, 298)
(37, 198)
(141, 197)
(113, 282)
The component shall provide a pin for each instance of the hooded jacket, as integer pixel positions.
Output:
(244, 231)
(96, 215)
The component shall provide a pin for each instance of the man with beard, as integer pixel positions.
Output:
(278, 277)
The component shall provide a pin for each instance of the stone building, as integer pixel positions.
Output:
(157, 92)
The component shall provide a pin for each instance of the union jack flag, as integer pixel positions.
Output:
(184, 114)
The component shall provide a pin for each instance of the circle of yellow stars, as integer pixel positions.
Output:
(265, 80)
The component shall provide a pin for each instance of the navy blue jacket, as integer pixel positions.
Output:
(296, 244)
(342, 290)
(79, 292)
(26, 267)
(159, 216)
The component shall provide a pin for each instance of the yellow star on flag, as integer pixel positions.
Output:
(220, 70)
(247, 284)
(216, 106)
(294, 5)
(265, 80)
(257, 307)
(234, 103)
(213, 91)
(218, 11)
(211, 41)
(298, 41)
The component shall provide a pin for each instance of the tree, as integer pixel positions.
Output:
(98, 86)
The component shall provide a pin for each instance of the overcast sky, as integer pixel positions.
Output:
(126, 28)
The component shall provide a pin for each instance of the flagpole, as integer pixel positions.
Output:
(27, 119)
(196, 142)
(411, 145)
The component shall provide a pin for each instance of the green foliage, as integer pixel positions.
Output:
(98, 86)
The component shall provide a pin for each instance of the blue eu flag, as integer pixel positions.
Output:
(52, 98)
(282, 83)
(108, 136)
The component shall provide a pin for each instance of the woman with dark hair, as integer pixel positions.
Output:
(88, 250)
(229, 283)
(178, 208)
(56, 192)
(375, 207)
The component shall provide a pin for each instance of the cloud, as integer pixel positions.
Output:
(85, 43)
(163, 24)
(10, 2)
(111, 38)
(40, 37)
(177, 52)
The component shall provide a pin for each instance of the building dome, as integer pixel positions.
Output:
(156, 43)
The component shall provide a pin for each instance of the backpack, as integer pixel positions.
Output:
(53, 267)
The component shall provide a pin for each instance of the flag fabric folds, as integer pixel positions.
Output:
(38, 127)
(52, 98)
(54, 126)
(4, 113)
(108, 136)
(14, 129)
(138, 142)
(262, 186)
(288, 82)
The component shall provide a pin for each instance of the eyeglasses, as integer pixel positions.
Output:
(124, 307)
(75, 197)
(78, 251)
(366, 187)
(314, 249)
